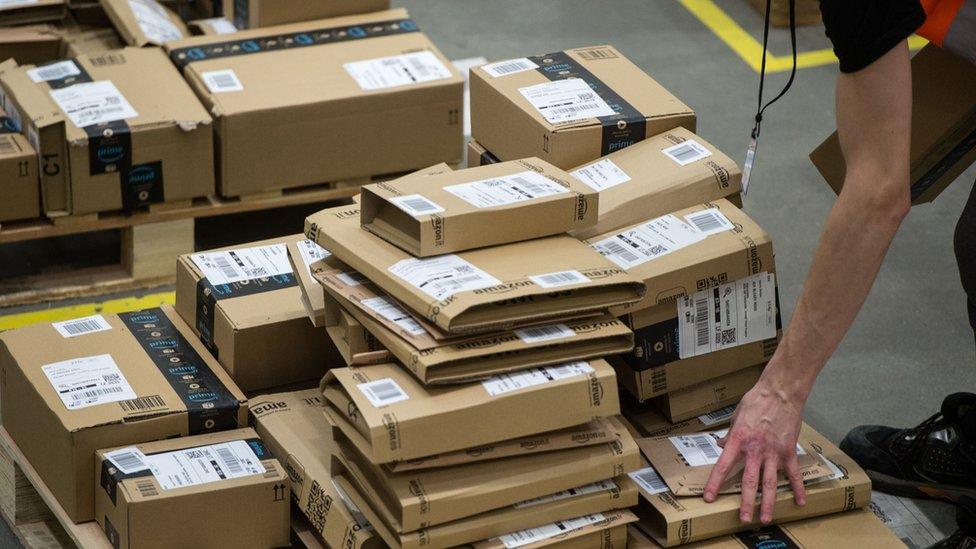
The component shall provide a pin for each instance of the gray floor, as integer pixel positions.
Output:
(911, 345)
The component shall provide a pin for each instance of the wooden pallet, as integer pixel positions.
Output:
(807, 12)
(150, 241)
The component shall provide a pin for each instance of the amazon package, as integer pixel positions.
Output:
(146, 492)
(145, 22)
(30, 44)
(390, 416)
(648, 421)
(115, 130)
(569, 107)
(483, 290)
(245, 305)
(477, 207)
(72, 387)
(357, 345)
(249, 14)
(18, 173)
(297, 432)
(381, 99)
(709, 395)
(594, 531)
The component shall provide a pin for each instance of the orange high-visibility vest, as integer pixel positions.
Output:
(951, 24)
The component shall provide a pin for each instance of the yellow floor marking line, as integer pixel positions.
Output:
(120, 305)
(750, 49)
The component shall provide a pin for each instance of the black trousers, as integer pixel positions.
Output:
(965, 246)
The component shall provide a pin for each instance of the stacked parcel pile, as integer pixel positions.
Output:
(494, 420)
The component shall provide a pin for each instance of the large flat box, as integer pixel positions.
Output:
(19, 180)
(245, 304)
(39, 11)
(943, 126)
(30, 44)
(72, 387)
(116, 130)
(145, 22)
(648, 421)
(146, 492)
(356, 344)
(381, 99)
(249, 14)
(709, 395)
(295, 429)
(595, 531)
(390, 416)
(662, 174)
(671, 520)
(569, 107)
(477, 207)
(463, 293)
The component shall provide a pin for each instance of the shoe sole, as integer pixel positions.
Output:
(920, 490)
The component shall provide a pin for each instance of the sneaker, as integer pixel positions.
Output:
(965, 536)
(935, 460)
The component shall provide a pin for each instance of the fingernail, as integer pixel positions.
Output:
(709, 497)
(766, 520)
(801, 502)
(744, 517)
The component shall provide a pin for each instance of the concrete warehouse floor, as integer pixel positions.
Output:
(912, 344)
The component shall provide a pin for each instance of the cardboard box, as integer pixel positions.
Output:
(19, 183)
(685, 462)
(249, 14)
(535, 280)
(332, 124)
(146, 491)
(88, 13)
(30, 44)
(39, 11)
(465, 491)
(708, 396)
(477, 207)
(145, 22)
(943, 126)
(648, 421)
(211, 26)
(356, 344)
(569, 107)
(672, 520)
(296, 430)
(81, 40)
(135, 134)
(597, 531)
(245, 304)
(390, 416)
(152, 380)
(662, 174)
(855, 529)
(313, 295)
(480, 156)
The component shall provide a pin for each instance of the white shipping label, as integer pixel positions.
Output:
(390, 310)
(601, 175)
(154, 22)
(81, 326)
(128, 460)
(220, 25)
(311, 252)
(510, 66)
(352, 278)
(709, 221)
(416, 204)
(222, 81)
(506, 383)
(546, 531)
(91, 103)
(649, 241)
(382, 392)
(442, 276)
(561, 278)
(686, 152)
(718, 416)
(204, 464)
(732, 314)
(602, 486)
(649, 481)
(538, 334)
(243, 264)
(703, 449)
(566, 101)
(397, 70)
(88, 381)
(53, 71)
(507, 189)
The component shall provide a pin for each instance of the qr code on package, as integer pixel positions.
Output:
(728, 336)
(318, 506)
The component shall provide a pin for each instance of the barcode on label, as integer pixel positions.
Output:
(709, 221)
(54, 71)
(530, 187)
(686, 152)
(613, 249)
(396, 314)
(382, 392)
(415, 204)
(127, 460)
(706, 445)
(143, 404)
(718, 416)
(536, 334)
(222, 263)
(562, 278)
(85, 395)
(511, 66)
(595, 54)
(147, 488)
(230, 460)
(222, 81)
(7, 145)
(702, 324)
(82, 326)
(649, 481)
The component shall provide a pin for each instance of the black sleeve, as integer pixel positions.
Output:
(864, 30)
